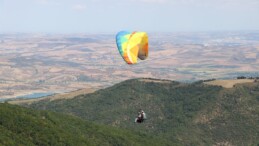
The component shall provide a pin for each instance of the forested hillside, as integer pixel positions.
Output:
(190, 114)
(26, 127)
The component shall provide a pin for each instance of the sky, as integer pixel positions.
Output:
(109, 16)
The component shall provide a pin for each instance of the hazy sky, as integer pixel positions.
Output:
(95, 16)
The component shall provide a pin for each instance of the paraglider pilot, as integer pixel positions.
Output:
(141, 117)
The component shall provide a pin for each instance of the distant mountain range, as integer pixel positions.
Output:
(178, 113)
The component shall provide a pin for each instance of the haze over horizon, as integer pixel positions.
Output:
(95, 16)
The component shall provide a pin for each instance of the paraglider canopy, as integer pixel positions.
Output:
(132, 46)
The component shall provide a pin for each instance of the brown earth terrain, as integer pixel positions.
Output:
(229, 83)
(68, 95)
(39, 63)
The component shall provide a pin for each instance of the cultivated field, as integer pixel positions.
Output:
(68, 95)
(229, 83)
(40, 63)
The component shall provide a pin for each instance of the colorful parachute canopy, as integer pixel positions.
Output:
(132, 46)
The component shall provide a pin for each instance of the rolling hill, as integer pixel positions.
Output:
(26, 127)
(187, 114)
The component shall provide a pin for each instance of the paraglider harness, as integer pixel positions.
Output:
(141, 117)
